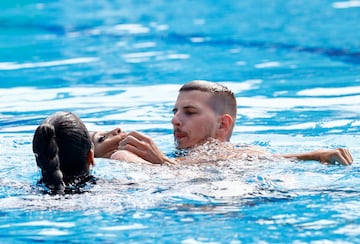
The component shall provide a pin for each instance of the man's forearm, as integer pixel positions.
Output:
(332, 156)
(314, 155)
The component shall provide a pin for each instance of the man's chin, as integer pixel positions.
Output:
(178, 145)
(181, 146)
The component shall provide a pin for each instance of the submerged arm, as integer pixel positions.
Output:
(127, 156)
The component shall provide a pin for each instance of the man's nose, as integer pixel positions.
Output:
(176, 120)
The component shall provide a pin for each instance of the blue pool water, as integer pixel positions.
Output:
(295, 70)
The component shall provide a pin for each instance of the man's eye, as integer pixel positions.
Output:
(101, 139)
(190, 112)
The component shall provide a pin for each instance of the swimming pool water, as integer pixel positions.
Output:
(294, 68)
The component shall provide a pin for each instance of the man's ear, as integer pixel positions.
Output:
(225, 127)
(90, 157)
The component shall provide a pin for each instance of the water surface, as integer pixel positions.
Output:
(294, 68)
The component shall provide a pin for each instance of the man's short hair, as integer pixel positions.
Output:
(223, 99)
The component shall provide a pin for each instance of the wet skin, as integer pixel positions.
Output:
(193, 121)
(106, 143)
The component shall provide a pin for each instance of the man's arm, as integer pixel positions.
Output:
(145, 148)
(332, 156)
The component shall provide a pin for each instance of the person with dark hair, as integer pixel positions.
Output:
(63, 151)
(205, 112)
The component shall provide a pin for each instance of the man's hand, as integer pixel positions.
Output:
(143, 147)
(339, 155)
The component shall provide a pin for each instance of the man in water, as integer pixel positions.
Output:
(205, 111)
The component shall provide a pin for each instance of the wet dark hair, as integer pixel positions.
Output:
(223, 99)
(61, 145)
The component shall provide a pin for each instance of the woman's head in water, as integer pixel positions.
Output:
(63, 151)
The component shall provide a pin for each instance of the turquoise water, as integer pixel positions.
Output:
(294, 68)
